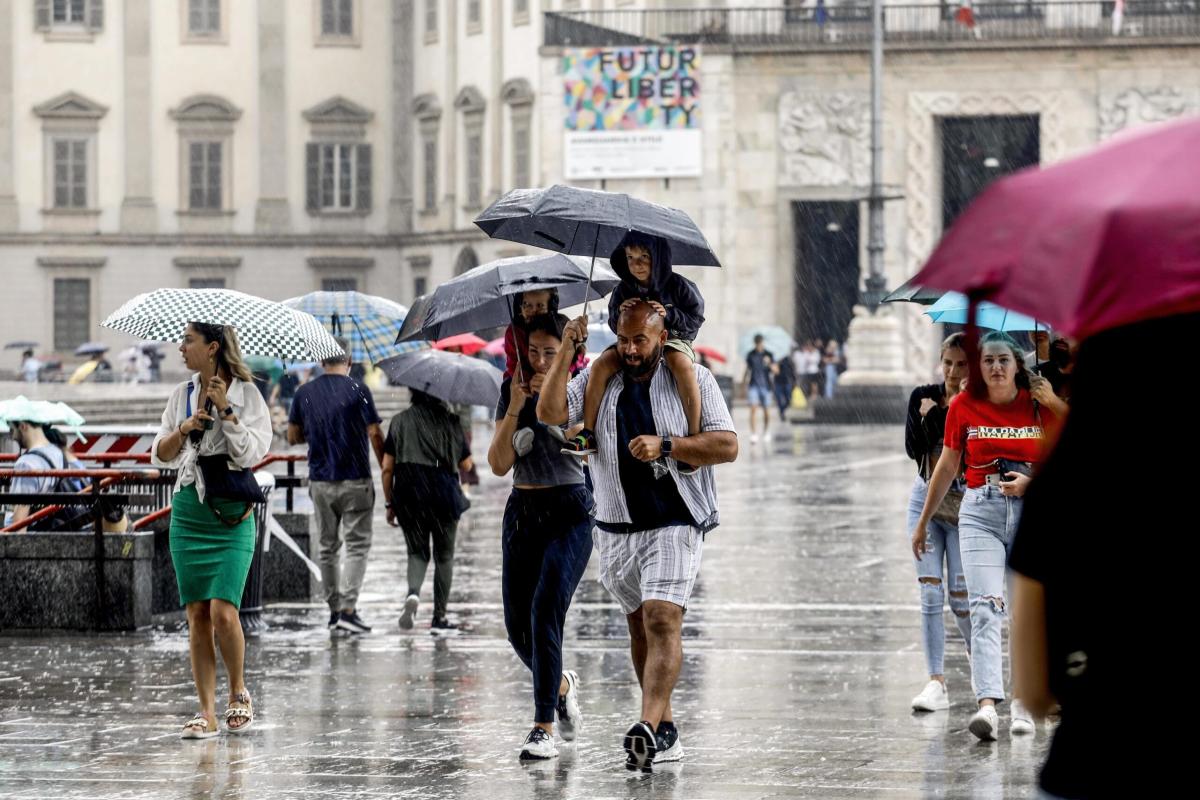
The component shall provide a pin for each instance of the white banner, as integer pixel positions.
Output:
(632, 154)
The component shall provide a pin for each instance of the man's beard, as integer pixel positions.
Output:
(646, 366)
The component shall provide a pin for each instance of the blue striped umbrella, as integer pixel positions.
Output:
(369, 322)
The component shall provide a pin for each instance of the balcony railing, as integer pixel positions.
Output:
(849, 26)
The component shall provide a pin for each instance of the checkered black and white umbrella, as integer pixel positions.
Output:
(264, 328)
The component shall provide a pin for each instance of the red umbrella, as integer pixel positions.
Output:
(495, 347)
(712, 353)
(1092, 243)
(467, 343)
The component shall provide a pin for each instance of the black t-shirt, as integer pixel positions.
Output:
(759, 364)
(652, 503)
(334, 411)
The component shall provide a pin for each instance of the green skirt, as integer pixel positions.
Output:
(211, 559)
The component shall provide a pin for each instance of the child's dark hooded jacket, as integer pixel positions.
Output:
(679, 296)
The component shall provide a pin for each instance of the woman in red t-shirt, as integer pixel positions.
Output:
(997, 430)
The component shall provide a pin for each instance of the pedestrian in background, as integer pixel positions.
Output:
(335, 415)
(422, 456)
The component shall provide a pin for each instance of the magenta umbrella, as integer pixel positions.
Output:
(1092, 243)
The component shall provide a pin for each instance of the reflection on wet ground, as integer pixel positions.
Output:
(802, 652)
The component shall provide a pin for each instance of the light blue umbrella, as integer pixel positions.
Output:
(775, 339)
(953, 308)
(369, 322)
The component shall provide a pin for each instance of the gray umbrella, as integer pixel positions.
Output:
(911, 293)
(482, 298)
(587, 222)
(21, 345)
(91, 348)
(452, 377)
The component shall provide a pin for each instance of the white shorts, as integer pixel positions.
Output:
(660, 564)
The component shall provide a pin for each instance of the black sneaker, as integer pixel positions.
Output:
(666, 743)
(352, 622)
(442, 627)
(583, 444)
(538, 746)
(333, 619)
(640, 746)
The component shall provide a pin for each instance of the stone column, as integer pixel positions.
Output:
(9, 218)
(138, 213)
(404, 42)
(272, 213)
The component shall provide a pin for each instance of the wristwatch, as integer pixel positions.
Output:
(228, 412)
(666, 446)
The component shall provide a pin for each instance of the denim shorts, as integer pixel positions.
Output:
(759, 396)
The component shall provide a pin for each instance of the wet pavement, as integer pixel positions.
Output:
(802, 651)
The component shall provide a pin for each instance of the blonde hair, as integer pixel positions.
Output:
(229, 353)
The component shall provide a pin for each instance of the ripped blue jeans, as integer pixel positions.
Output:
(986, 526)
(939, 568)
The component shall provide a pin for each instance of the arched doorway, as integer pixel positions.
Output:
(466, 261)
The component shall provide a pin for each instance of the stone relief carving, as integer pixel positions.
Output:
(825, 138)
(1133, 107)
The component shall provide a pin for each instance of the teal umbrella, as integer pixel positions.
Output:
(369, 322)
(953, 308)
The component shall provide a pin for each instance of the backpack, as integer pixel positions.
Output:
(67, 518)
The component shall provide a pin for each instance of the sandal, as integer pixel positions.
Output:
(198, 727)
(242, 711)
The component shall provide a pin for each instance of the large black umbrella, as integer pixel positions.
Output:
(587, 222)
(482, 298)
(21, 345)
(452, 377)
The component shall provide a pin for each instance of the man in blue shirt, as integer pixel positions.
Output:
(336, 416)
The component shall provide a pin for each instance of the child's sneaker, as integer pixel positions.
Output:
(584, 444)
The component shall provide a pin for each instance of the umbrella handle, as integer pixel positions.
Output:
(354, 321)
(587, 293)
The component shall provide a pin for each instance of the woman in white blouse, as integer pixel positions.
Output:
(217, 411)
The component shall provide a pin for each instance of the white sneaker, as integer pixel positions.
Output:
(754, 438)
(932, 698)
(570, 718)
(411, 603)
(1021, 721)
(538, 746)
(985, 723)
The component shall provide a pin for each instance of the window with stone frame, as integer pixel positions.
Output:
(70, 127)
(474, 12)
(204, 18)
(72, 312)
(518, 95)
(471, 104)
(206, 283)
(420, 285)
(70, 172)
(520, 12)
(205, 124)
(338, 162)
(337, 19)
